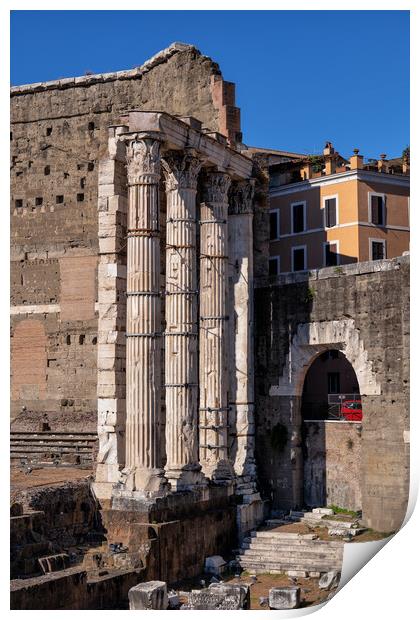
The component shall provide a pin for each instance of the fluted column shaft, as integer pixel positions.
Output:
(181, 337)
(214, 384)
(143, 369)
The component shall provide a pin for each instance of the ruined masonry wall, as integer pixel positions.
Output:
(367, 303)
(338, 444)
(59, 133)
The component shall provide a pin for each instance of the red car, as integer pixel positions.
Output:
(351, 410)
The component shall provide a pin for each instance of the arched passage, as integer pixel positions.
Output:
(330, 376)
(331, 446)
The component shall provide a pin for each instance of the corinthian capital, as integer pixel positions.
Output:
(143, 160)
(241, 197)
(181, 169)
(216, 187)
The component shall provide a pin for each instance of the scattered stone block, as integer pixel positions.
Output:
(210, 598)
(329, 580)
(215, 565)
(148, 595)
(173, 600)
(338, 531)
(297, 573)
(284, 598)
(323, 511)
(229, 588)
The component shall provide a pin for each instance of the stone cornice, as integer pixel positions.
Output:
(178, 135)
(368, 176)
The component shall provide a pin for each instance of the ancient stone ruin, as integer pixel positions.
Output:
(152, 354)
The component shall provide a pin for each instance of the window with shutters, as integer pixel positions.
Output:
(299, 258)
(330, 211)
(377, 249)
(377, 209)
(298, 215)
(331, 256)
(274, 225)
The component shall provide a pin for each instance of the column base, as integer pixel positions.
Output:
(186, 478)
(144, 483)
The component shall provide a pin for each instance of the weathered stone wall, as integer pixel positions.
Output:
(362, 310)
(332, 464)
(59, 133)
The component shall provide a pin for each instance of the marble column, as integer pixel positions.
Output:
(241, 366)
(213, 342)
(143, 472)
(181, 170)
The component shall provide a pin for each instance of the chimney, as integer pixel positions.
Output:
(330, 158)
(382, 164)
(329, 149)
(306, 171)
(356, 161)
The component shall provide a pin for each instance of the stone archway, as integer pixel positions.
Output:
(305, 345)
(310, 340)
(331, 448)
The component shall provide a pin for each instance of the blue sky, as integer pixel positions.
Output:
(302, 77)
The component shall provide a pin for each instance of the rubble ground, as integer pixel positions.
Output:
(322, 532)
(311, 594)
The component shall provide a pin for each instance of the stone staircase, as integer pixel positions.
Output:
(49, 448)
(299, 555)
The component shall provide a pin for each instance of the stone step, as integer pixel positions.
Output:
(299, 562)
(297, 544)
(249, 553)
(284, 547)
(290, 561)
(282, 535)
(281, 567)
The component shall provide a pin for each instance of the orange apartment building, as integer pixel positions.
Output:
(327, 211)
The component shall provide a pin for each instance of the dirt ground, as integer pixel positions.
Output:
(48, 476)
(310, 592)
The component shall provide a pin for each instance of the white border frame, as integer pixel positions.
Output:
(324, 253)
(337, 221)
(374, 240)
(299, 247)
(383, 196)
(277, 212)
(295, 204)
(277, 259)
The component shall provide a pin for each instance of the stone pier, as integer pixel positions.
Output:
(112, 274)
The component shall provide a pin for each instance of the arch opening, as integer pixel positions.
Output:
(331, 436)
(330, 382)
